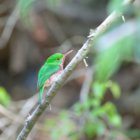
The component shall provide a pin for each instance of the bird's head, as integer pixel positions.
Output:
(58, 58)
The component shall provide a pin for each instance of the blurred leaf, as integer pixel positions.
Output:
(97, 112)
(49, 124)
(112, 115)
(64, 114)
(65, 128)
(96, 102)
(90, 129)
(99, 89)
(115, 5)
(94, 128)
(115, 89)
(107, 63)
(100, 128)
(53, 3)
(4, 97)
(78, 108)
(109, 60)
(109, 108)
(115, 120)
(56, 134)
(25, 8)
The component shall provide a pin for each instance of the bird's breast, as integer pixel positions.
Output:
(54, 77)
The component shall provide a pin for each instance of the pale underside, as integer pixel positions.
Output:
(52, 79)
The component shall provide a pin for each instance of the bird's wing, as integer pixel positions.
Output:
(46, 72)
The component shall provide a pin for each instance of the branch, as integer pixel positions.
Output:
(32, 119)
(86, 85)
(9, 27)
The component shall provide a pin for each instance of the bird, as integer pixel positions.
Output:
(50, 70)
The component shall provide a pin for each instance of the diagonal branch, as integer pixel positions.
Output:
(32, 119)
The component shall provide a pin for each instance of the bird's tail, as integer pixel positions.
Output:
(40, 94)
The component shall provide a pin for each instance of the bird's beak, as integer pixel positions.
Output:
(67, 53)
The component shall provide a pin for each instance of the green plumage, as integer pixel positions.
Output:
(51, 66)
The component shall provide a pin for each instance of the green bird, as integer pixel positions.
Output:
(50, 71)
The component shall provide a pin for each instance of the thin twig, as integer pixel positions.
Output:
(86, 85)
(30, 121)
(9, 27)
(4, 111)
